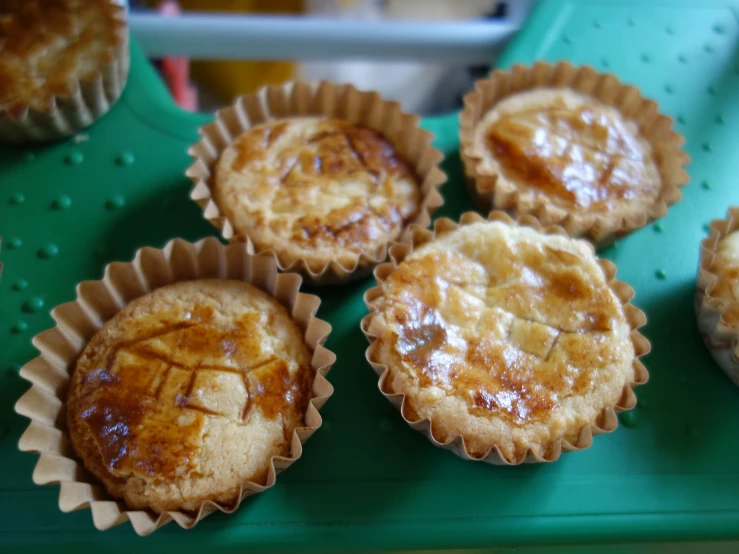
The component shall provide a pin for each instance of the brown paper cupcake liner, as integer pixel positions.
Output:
(97, 302)
(718, 318)
(300, 99)
(65, 115)
(606, 421)
(489, 192)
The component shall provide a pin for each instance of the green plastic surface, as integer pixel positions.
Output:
(366, 481)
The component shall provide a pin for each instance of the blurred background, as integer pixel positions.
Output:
(204, 72)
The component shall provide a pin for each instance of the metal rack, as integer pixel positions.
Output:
(200, 35)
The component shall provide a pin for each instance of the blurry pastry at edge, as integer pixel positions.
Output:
(717, 293)
(63, 64)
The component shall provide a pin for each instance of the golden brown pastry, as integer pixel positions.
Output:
(188, 393)
(52, 52)
(571, 147)
(316, 189)
(508, 337)
(717, 293)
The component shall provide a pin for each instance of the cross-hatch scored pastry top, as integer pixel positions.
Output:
(316, 189)
(48, 46)
(582, 154)
(503, 335)
(188, 392)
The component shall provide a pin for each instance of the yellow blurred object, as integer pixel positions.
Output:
(229, 78)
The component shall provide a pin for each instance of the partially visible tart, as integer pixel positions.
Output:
(316, 189)
(717, 293)
(62, 64)
(571, 147)
(512, 339)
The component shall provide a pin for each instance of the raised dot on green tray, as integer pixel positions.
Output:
(115, 202)
(566, 39)
(48, 251)
(605, 63)
(20, 327)
(17, 198)
(75, 158)
(706, 227)
(669, 30)
(707, 146)
(646, 58)
(62, 203)
(661, 274)
(719, 29)
(125, 158)
(711, 89)
(15, 243)
(630, 22)
(597, 24)
(669, 89)
(706, 185)
(629, 419)
(33, 304)
(20, 284)
(681, 119)
(708, 48)
(720, 119)
(658, 227)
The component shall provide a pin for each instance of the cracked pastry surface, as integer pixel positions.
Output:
(316, 189)
(570, 149)
(503, 335)
(188, 392)
(48, 46)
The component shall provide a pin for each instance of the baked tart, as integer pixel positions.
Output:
(323, 175)
(188, 379)
(503, 342)
(63, 64)
(571, 147)
(717, 293)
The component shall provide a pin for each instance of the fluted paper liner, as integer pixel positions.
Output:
(90, 99)
(301, 99)
(718, 318)
(605, 422)
(97, 302)
(602, 228)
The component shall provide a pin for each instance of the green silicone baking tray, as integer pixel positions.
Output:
(366, 481)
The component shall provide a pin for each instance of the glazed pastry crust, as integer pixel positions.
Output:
(48, 46)
(319, 190)
(568, 149)
(503, 335)
(188, 393)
